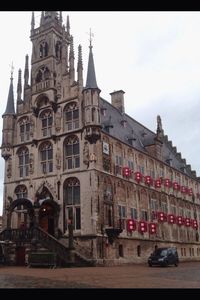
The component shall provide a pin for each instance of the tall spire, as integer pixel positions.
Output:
(19, 86)
(71, 60)
(33, 21)
(68, 25)
(26, 72)
(91, 76)
(80, 66)
(10, 108)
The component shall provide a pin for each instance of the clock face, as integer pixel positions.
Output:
(106, 148)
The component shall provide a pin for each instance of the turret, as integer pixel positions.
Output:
(8, 123)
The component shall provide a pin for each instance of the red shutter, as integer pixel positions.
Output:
(152, 228)
(171, 219)
(131, 225)
(142, 226)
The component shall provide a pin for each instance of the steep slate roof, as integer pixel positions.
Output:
(10, 108)
(91, 76)
(140, 135)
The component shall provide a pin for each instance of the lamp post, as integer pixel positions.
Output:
(71, 241)
(71, 234)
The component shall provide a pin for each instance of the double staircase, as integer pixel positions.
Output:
(39, 241)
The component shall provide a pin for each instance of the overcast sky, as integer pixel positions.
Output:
(153, 56)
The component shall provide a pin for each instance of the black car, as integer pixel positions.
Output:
(164, 257)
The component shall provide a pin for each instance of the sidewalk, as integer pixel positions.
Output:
(132, 276)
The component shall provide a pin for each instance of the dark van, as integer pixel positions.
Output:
(164, 257)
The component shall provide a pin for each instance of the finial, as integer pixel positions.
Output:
(12, 70)
(68, 25)
(90, 40)
(33, 21)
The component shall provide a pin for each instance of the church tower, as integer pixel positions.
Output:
(42, 139)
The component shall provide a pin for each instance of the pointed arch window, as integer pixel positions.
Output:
(21, 192)
(71, 116)
(23, 155)
(42, 74)
(72, 203)
(72, 153)
(43, 49)
(58, 50)
(24, 128)
(46, 157)
(47, 121)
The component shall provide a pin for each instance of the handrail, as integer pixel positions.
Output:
(47, 241)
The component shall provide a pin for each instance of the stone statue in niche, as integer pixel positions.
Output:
(58, 159)
(86, 154)
(93, 157)
(32, 125)
(31, 163)
(9, 168)
(58, 120)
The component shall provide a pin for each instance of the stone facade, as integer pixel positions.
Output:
(71, 156)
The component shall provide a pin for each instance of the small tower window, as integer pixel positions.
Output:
(43, 49)
(58, 50)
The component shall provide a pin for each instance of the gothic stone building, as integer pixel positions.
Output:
(73, 157)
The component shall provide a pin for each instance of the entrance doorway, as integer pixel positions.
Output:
(20, 256)
(46, 218)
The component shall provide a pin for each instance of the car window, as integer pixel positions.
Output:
(161, 252)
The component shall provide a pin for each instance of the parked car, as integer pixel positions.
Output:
(164, 257)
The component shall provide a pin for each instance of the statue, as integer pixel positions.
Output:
(58, 159)
(9, 167)
(58, 120)
(31, 163)
(86, 154)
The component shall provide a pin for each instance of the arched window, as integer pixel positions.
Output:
(23, 155)
(71, 116)
(72, 153)
(24, 125)
(72, 203)
(42, 74)
(46, 157)
(58, 49)
(47, 120)
(21, 192)
(43, 49)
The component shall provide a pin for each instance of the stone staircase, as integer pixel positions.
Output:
(38, 240)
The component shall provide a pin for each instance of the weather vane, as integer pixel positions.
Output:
(91, 35)
(12, 69)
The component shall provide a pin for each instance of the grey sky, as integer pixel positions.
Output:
(153, 56)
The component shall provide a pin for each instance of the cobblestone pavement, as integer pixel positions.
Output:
(187, 275)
